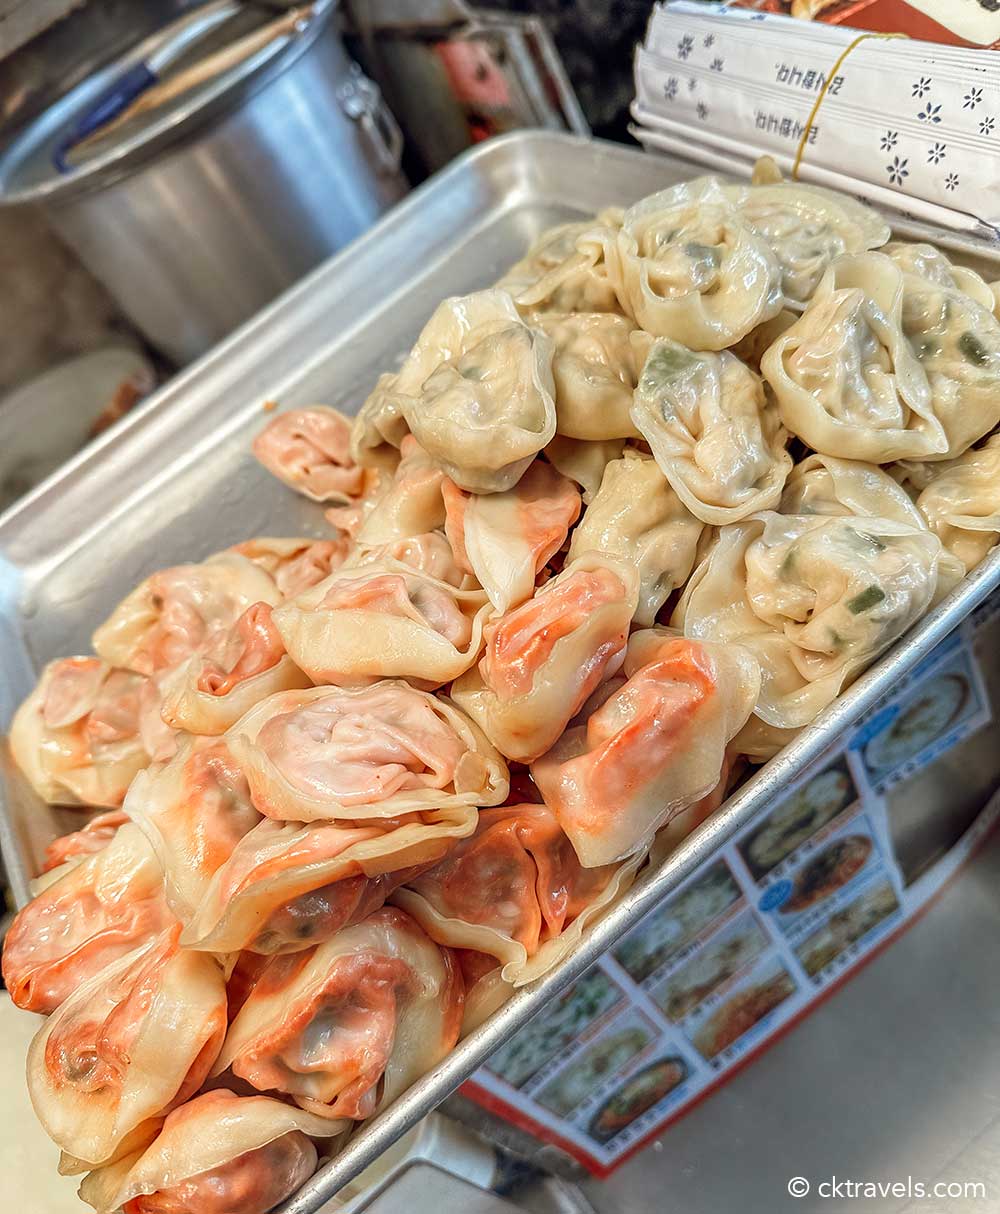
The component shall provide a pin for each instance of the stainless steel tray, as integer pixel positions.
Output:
(175, 482)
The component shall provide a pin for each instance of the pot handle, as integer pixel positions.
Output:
(362, 102)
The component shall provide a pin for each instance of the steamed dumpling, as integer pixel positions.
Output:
(807, 227)
(814, 598)
(925, 261)
(310, 450)
(713, 432)
(961, 502)
(688, 266)
(845, 377)
(476, 392)
(565, 269)
(638, 518)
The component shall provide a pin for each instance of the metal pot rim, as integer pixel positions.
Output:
(131, 155)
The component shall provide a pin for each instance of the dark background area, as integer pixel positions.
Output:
(596, 42)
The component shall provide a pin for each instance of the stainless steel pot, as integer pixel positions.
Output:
(197, 216)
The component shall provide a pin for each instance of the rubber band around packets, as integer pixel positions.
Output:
(800, 152)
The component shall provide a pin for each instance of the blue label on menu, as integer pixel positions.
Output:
(776, 895)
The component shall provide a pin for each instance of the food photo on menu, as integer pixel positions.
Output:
(539, 640)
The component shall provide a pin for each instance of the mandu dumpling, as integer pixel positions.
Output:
(638, 518)
(925, 261)
(595, 365)
(515, 890)
(193, 810)
(295, 564)
(77, 738)
(583, 462)
(476, 392)
(565, 269)
(236, 670)
(383, 620)
(214, 1155)
(957, 341)
(94, 912)
(346, 1027)
(129, 1044)
(429, 553)
(310, 450)
(712, 430)
(505, 539)
(355, 754)
(961, 503)
(822, 484)
(88, 841)
(688, 266)
(652, 748)
(846, 378)
(410, 503)
(176, 612)
(815, 598)
(807, 227)
(288, 885)
(544, 658)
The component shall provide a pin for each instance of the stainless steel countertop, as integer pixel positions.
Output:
(897, 1074)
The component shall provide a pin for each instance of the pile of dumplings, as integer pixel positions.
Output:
(618, 527)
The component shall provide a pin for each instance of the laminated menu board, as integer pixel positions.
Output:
(788, 909)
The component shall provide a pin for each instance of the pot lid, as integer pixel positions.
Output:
(191, 70)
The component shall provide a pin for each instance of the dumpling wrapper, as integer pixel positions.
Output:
(485, 989)
(688, 266)
(476, 392)
(925, 261)
(346, 1027)
(77, 737)
(565, 269)
(216, 1154)
(429, 553)
(176, 612)
(961, 503)
(583, 462)
(410, 503)
(194, 810)
(516, 891)
(295, 564)
(355, 754)
(89, 916)
(822, 484)
(595, 367)
(310, 451)
(654, 747)
(715, 436)
(638, 518)
(505, 539)
(815, 598)
(957, 342)
(846, 378)
(130, 1043)
(88, 841)
(544, 658)
(214, 688)
(383, 620)
(807, 227)
(288, 885)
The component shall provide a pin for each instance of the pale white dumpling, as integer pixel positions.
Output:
(583, 462)
(686, 265)
(846, 379)
(807, 227)
(815, 598)
(716, 437)
(637, 517)
(565, 269)
(958, 344)
(595, 367)
(476, 392)
(962, 503)
(822, 484)
(925, 261)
